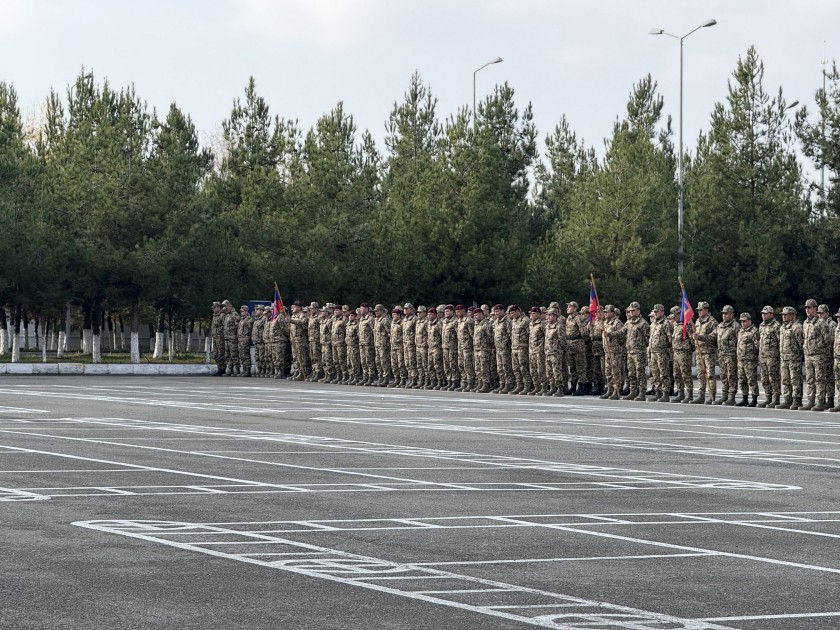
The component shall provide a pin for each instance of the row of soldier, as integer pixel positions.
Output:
(542, 353)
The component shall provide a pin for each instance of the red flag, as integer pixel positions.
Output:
(279, 308)
(593, 300)
(686, 313)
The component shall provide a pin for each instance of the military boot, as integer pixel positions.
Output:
(701, 398)
(796, 404)
(680, 396)
(606, 394)
(820, 406)
(711, 399)
(768, 401)
(641, 397)
(689, 398)
(785, 404)
(631, 395)
(484, 389)
(753, 400)
(830, 402)
(580, 391)
(743, 402)
(837, 408)
(807, 407)
(559, 393)
(731, 401)
(526, 388)
(664, 397)
(723, 398)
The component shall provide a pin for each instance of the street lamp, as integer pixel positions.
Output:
(489, 63)
(681, 250)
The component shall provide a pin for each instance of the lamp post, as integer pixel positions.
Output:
(489, 63)
(681, 202)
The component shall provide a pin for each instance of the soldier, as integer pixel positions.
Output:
(659, 344)
(727, 350)
(217, 336)
(338, 333)
(836, 363)
(825, 315)
(681, 344)
(268, 361)
(279, 338)
(483, 348)
(257, 337)
(555, 335)
(466, 350)
(575, 350)
(748, 361)
(367, 351)
(596, 338)
(449, 333)
(351, 340)
(818, 344)
(768, 358)
(421, 345)
(434, 336)
(587, 348)
(313, 341)
(231, 326)
(638, 332)
(409, 333)
(791, 349)
(705, 340)
(325, 335)
(536, 352)
(296, 328)
(243, 336)
(615, 350)
(382, 345)
(501, 342)
(519, 350)
(397, 350)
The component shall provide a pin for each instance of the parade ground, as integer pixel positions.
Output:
(203, 502)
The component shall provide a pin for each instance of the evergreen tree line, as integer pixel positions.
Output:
(113, 209)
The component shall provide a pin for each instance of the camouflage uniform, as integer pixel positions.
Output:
(483, 348)
(791, 348)
(367, 350)
(822, 311)
(297, 331)
(278, 332)
(466, 350)
(421, 345)
(727, 350)
(638, 332)
(243, 336)
(434, 339)
(231, 327)
(659, 344)
(338, 333)
(257, 336)
(818, 345)
(325, 336)
(519, 334)
(449, 334)
(836, 406)
(409, 333)
(217, 336)
(576, 351)
(587, 348)
(748, 341)
(382, 345)
(769, 359)
(313, 341)
(555, 336)
(536, 353)
(682, 362)
(351, 340)
(705, 340)
(501, 342)
(616, 353)
(599, 359)
(397, 349)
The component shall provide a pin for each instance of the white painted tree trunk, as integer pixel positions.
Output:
(62, 344)
(135, 347)
(96, 348)
(15, 347)
(189, 342)
(43, 346)
(4, 341)
(207, 343)
(158, 347)
(87, 341)
(170, 342)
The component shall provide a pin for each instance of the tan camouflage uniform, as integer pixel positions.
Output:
(243, 336)
(501, 342)
(727, 352)
(748, 342)
(769, 359)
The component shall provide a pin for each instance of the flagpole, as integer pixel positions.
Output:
(686, 325)
(604, 338)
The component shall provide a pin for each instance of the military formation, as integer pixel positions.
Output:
(542, 352)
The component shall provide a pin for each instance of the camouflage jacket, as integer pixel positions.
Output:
(366, 325)
(768, 337)
(792, 341)
(705, 335)
(616, 336)
(278, 330)
(596, 333)
(536, 336)
(727, 338)
(396, 334)
(748, 340)
(519, 333)
(231, 326)
(434, 336)
(246, 324)
(638, 332)
(325, 331)
(421, 334)
(818, 340)
(351, 334)
(217, 325)
(298, 327)
(660, 335)
(483, 336)
(465, 333)
(449, 332)
(555, 339)
(382, 332)
(575, 330)
(258, 330)
(313, 330)
(501, 334)
(677, 342)
(339, 330)
(409, 330)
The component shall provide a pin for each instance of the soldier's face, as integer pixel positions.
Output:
(570, 310)
(658, 314)
(478, 315)
(702, 312)
(746, 323)
(824, 315)
(727, 316)
(551, 318)
(767, 316)
(810, 310)
(421, 314)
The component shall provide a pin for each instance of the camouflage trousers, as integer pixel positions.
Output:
(466, 359)
(300, 355)
(615, 362)
(315, 355)
(554, 372)
(748, 376)
(836, 391)
(576, 359)
(410, 360)
(422, 363)
(450, 363)
(791, 378)
(278, 356)
(231, 351)
(367, 354)
(398, 362)
(660, 370)
(245, 355)
(327, 359)
(519, 363)
(636, 371)
(354, 361)
(599, 370)
(706, 373)
(536, 365)
(434, 365)
(504, 366)
(728, 372)
(816, 369)
(383, 362)
(590, 362)
(259, 354)
(771, 376)
(219, 352)
(482, 366)
(682, 370)
(339, 351)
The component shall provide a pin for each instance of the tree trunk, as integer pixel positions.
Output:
(4, 333)
(152, 338)
(122, 333)
(44, 328)
(107, 330)
(64, 335)
(87, 334)
(135, 330)
(188, 345)
(96, 334)
(170, 339)
(16, 334)
(161, 326)
(25, 323)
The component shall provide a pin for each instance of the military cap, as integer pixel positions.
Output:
(473, 309)
(408, 305)
(675, 310)
(297, 303)
(314, 305)
(485, 307)
(513, 307)
(460, 307)
(364, 305)
(584, 309)
(498, 307)
(727, 309)
(811, 303)
(542, 309)
(398, 310)
(431, 309)
(336, 307)
(554, 305)
(788, 310)
(215, 304)
(744, 316)
(535, 309)
(351, 312)
(608, 308)
(226, 302)
(259, 307)
(344, 307)
(767, 309)
(702, 305)
(244, 307)
(634, 306)
(551, 311)
(449, 307)
(659, 307)
(822, 308)
(575, 304)
(378, 307)
(421, 309)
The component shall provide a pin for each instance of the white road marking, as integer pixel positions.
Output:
(781, 616)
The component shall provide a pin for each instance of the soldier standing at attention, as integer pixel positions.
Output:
(268, 361)
(231, 340)
(483, 348)
(313, 341)
(596, 338)
(748, 361)
(278, 331)
(727, 349)
(325, 335)
(466, 350)
(554, 336)
(217, 336)
(659, 344)
(382, 344)
(501, 342)
(536, 352)
(243, 335)
(367, 351)
(434, 336)
(296, 328)
(836, 362)
(615, 350)
(519, 350)
(409, 333)
(791, 349)
(638, 332)
(257, 337)
(450, 347)
(769, 358)
(397, 350)
(817, 346)
(575, 350)
(705, 339)
(351, 340)
(421, 345)
(339, 347)
(825, 315)
(682, 361)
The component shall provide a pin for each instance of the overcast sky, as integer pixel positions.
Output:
(579, 58)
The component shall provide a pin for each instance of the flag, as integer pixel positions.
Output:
(593, 300)
(278, 308)
(686, 313)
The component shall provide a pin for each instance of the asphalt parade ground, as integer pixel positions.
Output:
(199, 502)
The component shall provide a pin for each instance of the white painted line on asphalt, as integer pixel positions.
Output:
(781, 616)
(20, 410)
(365, 572)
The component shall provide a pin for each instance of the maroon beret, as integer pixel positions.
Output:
(460, 307)
(364, 305)
(498, 307)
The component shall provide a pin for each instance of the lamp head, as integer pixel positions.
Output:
(707, 23)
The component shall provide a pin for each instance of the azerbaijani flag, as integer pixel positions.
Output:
(278, 309)
(593, 301)
(686, 313)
